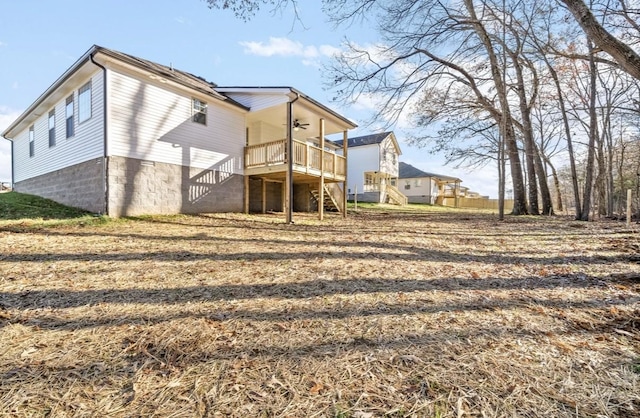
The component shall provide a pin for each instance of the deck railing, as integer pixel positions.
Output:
(260, 155)
(306, 157)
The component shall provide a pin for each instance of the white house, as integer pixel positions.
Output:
(423, 187)
(372, 168)
(120, 135)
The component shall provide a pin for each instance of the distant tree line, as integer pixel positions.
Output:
(517, 84)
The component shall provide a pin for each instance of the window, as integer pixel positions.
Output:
(69, 116)
(418, 182)
(32, 141)
(84, 102)
(407, 186)
(52, 128)
(199, 111)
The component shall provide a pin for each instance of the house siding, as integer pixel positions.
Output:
(86, 144)
(389, 164)
(426, 192)
(152, 122)
(361, 159)
(142, 187)
(80, 185)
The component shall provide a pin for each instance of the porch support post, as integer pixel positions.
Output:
(264, 195)
(284, 195)
(288, 184)
(321, 186)
(345, 194)
(246, 194)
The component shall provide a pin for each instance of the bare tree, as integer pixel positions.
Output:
(623, 54)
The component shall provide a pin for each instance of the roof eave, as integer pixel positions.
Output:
(7, 134)
(286, 90)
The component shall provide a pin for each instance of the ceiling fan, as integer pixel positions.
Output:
(297, 125)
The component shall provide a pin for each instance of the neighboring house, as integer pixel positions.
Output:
(423, 187)
(372, 169)
(120, 135)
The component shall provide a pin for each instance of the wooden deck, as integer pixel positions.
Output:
(270, 159)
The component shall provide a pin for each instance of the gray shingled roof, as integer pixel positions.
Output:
(170, 73)
(364, 140)
(407, 171)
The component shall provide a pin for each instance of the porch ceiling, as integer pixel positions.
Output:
(305, 112)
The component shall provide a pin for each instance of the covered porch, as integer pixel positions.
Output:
(289, 163)
(383, 187)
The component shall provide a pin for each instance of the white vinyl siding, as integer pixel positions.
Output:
(419, 186)
(388, 158)
(361, 159)
(87, 143)
(151, 122)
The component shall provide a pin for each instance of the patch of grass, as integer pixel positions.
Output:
(413, 208)
(33, 211)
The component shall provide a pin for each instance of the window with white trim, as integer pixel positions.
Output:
(52, 128)
(84, 103)
(68, 113)
(199, 111)
(32, 141)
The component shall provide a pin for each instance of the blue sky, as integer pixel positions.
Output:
(39, 40)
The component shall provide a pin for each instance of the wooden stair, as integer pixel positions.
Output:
(329, 203)
(395, 196)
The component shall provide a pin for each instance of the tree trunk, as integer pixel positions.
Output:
(519, 196)
(567, 131)
(527, 136)
(545, 193)
(593, 133)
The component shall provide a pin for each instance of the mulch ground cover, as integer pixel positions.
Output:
(384, 314)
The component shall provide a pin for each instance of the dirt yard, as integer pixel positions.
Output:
(386, 314)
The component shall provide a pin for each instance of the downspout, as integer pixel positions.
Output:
(13, 185)
(290, 156)
(105, 160)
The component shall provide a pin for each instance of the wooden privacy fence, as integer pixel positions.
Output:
(475, 203)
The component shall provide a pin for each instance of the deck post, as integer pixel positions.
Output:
(321, 186)
(284, 195)
(246, 194)
(288, 191)
(264, 195)
(345, 194)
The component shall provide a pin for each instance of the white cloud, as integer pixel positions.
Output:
(15, 85)
(3, 44)
(6, 117)
(285, 47)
